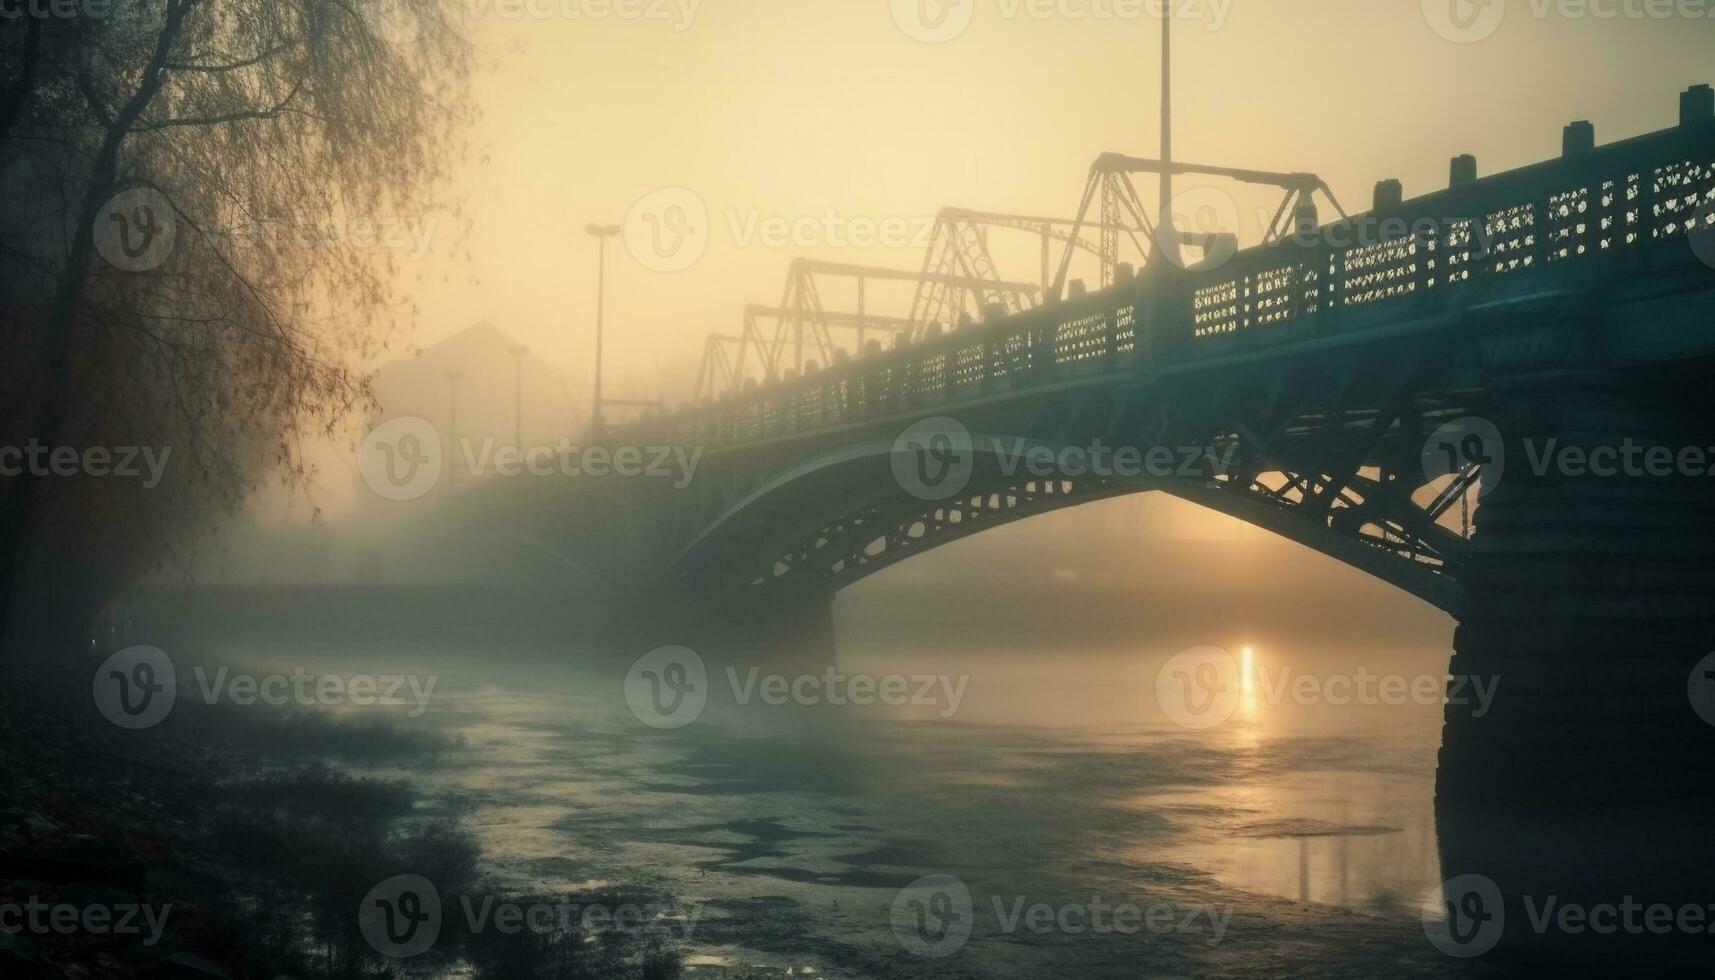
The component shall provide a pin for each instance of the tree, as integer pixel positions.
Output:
(171, 169)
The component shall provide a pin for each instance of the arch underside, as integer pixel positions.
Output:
(1332, 460)
(1354, 519)
(1326, 452)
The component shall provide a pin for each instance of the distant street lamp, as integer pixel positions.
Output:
(453, 423)
(602, 233)
(518, 351)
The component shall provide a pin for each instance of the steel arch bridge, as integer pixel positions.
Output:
(1564, 301)
(1314, 369)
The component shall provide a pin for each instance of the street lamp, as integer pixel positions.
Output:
(453, 423)
(518, 351)
(602, 233)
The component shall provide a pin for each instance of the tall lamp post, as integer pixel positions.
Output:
(453, 422)
(1169, 243)
(518, 351)
(602, 233)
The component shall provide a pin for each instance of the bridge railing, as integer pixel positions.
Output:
(1622, 202)
(1609, 211)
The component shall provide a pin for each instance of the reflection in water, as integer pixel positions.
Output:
(795, 826)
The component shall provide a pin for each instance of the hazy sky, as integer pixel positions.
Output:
(781, 110)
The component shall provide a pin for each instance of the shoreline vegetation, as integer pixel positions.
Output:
(250, 850)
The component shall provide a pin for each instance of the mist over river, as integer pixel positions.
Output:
(1061, 821)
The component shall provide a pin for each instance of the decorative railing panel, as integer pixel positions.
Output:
(1645, 192)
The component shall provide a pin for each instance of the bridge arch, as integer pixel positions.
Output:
(842, 515)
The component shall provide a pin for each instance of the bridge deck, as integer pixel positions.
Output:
(1609, 216)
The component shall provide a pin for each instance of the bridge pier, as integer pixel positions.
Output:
(1591, 780)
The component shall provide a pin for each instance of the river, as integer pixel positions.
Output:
(1052, 820)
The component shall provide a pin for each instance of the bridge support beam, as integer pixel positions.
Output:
(1591, 780)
